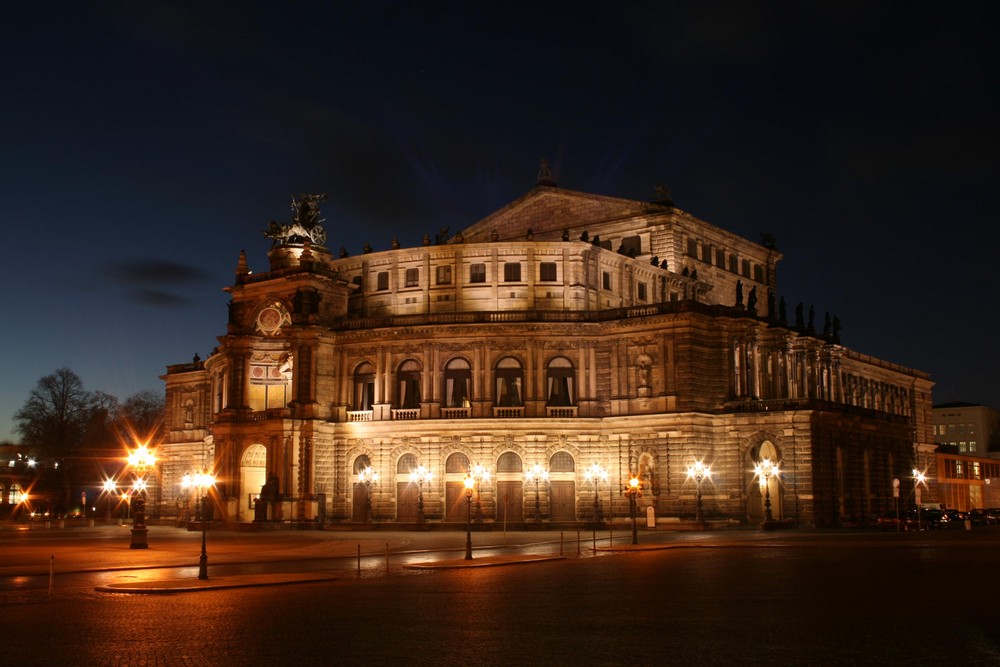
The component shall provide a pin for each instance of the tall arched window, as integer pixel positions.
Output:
(408, 385)
(457, 384)
(560, 378)
(364, 387)
(509, 383)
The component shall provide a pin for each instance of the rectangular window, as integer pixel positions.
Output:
(758, 273)
(512, 272)
(733, 264)
(444, 275)
(631, 246)
(692, 247)
(477, 273)
(606, 280)
(412, 277)
(382, 281)
(746, 268)
(547, 272)
(720, 258)
(706, 254)
(641, 291)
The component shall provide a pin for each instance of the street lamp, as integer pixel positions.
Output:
(420, 475)
(699, 472)
(537, 474)
(918, 479)
(201, 482)
(141, 459)
(633, 491)
(481, 474)
(367, 476)
(470, 482)
(108, 489)
(596, 473)
(765, 470)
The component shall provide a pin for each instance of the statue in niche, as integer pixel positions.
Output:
(752, 301)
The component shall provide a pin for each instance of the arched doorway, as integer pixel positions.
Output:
(509, 488)
(765, 489)
(562, 487)
(253, 475)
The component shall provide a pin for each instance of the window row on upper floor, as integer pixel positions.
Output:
(508, 384)
(710, 254)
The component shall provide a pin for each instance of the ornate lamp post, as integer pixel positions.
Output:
(141, 460)
(419, 476)
(470, 483)
(480, 474)
(918, 479)
(633, 491)
(699, 472)
(765, 470)
(596, 473)
(201, 482)
(368, 477)
(537, 474)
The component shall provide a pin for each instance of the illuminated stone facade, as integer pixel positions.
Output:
(565, 330)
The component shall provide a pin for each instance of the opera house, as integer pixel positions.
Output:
(552, 351)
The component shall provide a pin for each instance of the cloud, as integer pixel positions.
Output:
(154, 282)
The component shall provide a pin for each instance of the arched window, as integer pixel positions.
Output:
(509, 383)
(364, 387)
(560, 378)
(457, 384)
(406, 464)
(457, 462)
(562, 462)
(509, 462)
(361, 463)
(408, 385)
(14, 496)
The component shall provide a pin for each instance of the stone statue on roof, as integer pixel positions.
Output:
(305, 225)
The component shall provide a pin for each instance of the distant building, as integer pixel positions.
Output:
(968, 427)
(569, 331)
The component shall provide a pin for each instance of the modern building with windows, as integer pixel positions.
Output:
(564, 334)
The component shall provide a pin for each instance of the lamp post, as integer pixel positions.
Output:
(420, 475)
(201, 482)
(480, 474)
(633, 491)
(470, 482)
(765, 470)
(537, 474)
(699, 472)
(108, 489)
(918, 479)
(140, 460)
(367, 476)
(596, 473)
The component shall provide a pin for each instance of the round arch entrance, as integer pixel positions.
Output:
(253, 475)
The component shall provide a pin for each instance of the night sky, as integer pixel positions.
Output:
(144, 144)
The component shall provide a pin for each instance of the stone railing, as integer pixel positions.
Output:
(359, 415)
(407, 413)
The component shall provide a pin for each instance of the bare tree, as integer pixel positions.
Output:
(55, 421)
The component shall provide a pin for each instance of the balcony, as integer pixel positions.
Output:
(508, 412)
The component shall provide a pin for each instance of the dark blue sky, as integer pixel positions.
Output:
(145, 144)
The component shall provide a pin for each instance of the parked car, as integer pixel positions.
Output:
(906, 521)
(984, 517)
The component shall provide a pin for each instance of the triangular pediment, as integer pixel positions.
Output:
(546, 210)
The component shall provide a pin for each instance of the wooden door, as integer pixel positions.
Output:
(359, 500)
(510, 501)
(562, 501)
(406, 501)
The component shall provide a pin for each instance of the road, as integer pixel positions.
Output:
(729, 598)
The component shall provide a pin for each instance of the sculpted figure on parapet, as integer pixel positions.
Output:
(305, 224)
